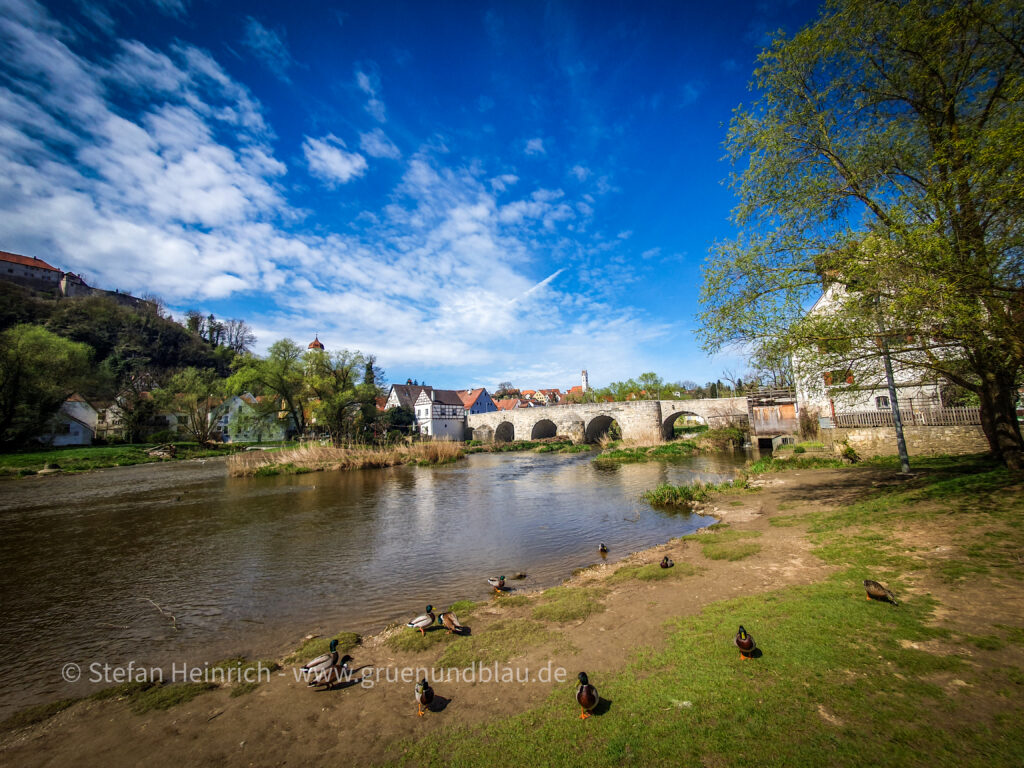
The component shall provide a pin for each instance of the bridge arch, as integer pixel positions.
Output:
(543, 428)
(504, 432)
(598, 426)
(669, 422)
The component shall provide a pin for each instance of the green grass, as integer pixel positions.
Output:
(563, 604)
(726, 544)
(37, 714)
(668, 496)
(677, 449)
(652, 572)
(501, 641)
(318, 646)
(160, 697)
(773, 464)
(411, 640)
(537, 446)
(696, 703)
(83, 459)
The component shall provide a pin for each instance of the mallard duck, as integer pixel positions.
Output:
(603, 549)
(424, 696)
(745, 642)
(450, 622)
(666, 562)
(422, 622)
(498, 583)
(328, 668)
(586, 696)
(877, 592)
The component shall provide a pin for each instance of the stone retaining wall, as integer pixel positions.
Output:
(921, 441)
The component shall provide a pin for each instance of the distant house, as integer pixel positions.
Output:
(477, 400)
(73, 424)
(440, 414)
(239, 421)
(30, 272)
(550, 396)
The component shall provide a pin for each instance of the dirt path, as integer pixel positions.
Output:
(285, 723)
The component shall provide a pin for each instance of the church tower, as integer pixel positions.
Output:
(585, 381)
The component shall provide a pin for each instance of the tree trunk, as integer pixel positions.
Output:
(999, 419)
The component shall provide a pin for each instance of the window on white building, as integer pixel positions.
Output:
(881, 402)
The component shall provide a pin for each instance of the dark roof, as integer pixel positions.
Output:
(408, 394)
(447, 397)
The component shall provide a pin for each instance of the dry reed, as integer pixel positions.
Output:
(322, 457)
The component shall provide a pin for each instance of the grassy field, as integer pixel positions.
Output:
(85, 458)
(840, 681)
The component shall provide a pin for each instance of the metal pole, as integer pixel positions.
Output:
(901, 444)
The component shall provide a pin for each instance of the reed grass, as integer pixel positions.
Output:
(310, 458)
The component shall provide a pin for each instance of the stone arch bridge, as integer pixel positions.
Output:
(649, 421)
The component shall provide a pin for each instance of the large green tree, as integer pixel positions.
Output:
(345, 386)
(884, 156)
(193, 393)
(281, 374)
(39, 370)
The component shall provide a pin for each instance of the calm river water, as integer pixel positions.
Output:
(249, 566)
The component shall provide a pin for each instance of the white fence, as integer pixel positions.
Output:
(911, 417)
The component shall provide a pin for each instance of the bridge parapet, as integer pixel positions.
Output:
(647, 421)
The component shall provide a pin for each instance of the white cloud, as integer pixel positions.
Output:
(369, 83)
(377, 144)
(503, 182)
(580, 172)
(329, 161)
(535, 147)
(180, 194)
(269, 47)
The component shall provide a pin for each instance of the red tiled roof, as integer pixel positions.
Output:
(578, 388)
(469, 396)
(506, 405)
(26, 261)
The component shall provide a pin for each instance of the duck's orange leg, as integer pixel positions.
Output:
(584, 714)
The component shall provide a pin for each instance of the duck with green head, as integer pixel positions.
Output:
(586, 696)
(745, 642)
(423, 621)
(497, 582)
(327, 669)
(424, 696)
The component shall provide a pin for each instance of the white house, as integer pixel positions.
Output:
(73, 424)
(441, 414)
(838, 388)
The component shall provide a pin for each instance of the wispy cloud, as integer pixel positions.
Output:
(377, 144)
(269, 47)
(580, 172)
(535, 147)
(329, 161)
(369, 83)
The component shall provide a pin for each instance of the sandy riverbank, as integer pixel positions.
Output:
(284, 722)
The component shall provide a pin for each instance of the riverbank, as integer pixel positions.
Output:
(936, 681)
(319, 458)
(87, 458)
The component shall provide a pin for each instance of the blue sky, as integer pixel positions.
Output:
(475, 192)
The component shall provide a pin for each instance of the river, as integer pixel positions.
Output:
(178, 563)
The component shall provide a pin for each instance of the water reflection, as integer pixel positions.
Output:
(95, 565)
